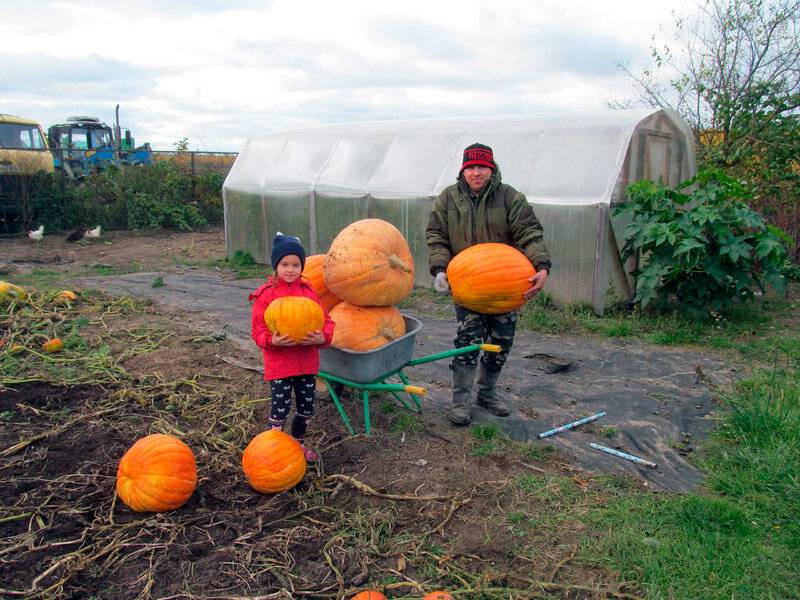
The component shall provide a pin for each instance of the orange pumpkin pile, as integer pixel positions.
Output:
(313, 272)
(273, 462)
(158, 473)
(367, 270)
(490, 278)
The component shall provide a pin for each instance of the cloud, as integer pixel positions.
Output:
(90, 77)
(222, 71)
(578, 51)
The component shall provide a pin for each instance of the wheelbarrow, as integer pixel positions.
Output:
(369, 371)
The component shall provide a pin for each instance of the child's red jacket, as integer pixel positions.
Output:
(285, 361)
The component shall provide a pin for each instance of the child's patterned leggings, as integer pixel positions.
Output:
(303, 386)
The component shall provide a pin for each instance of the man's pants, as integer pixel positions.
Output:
(479, 328)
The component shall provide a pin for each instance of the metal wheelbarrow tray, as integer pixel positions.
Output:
(368, 371)
(369, 366)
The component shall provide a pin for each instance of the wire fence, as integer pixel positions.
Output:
(199, 162)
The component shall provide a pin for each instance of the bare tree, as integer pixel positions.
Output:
(732, 71)
(724, 59)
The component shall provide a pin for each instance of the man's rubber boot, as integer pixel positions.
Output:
(463, 376)
(487, 392)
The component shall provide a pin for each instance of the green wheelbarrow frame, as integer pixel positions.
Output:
(380, 384)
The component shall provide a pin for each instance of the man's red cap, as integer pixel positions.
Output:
(478, 154)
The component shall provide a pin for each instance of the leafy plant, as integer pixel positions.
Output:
(707, 248)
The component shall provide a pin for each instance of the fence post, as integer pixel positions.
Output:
(193, 198)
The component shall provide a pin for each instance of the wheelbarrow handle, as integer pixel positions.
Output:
(415, 389)
(490, 347)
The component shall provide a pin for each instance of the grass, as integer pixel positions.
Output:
(242, 263)
(752, 331)
(737, 537)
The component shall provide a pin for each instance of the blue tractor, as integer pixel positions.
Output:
(83, 144)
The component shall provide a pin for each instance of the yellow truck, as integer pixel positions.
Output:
(23, 156)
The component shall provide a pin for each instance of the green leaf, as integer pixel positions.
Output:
(687, 246)
(767, 246)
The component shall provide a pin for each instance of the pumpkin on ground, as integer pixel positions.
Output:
(273, 462)
(438, 596)
(54, 345)
(294, 316)
(313, 272)
(369, 264)
(369, 595)
(490, 278)
(66, 297)
(9, 291)
(158, 473)
(363, 328)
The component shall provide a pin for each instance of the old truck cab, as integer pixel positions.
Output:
(24, 157)
(23, 147)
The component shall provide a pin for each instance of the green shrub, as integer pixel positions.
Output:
(161, 195)
(707, 248)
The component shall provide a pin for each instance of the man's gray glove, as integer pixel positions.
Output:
(440, 283)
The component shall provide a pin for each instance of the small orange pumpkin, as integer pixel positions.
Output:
(294, 316)
(438, 596)
(66, 297)
(54, 345)
(16, 349)
(369, 264)
(363, 328)
(313, 272)
(273, 462)
(369, 595)
(158, 473)
(490, 278)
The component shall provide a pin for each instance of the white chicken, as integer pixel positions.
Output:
(37, 234)
(92, 233)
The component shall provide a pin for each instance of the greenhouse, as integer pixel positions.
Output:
(313, 181)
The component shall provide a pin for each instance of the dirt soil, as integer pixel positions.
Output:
(416, 506)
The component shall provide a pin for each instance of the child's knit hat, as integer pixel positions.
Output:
(283, 245)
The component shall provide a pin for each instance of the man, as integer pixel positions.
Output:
(479, 208)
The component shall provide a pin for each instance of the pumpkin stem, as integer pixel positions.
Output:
(398, 263)
(387, 333)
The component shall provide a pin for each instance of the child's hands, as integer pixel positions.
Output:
(314, 338)
(281, 340)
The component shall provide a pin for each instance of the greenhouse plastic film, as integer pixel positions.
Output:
(314, 181)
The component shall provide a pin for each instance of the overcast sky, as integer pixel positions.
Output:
(218, 72)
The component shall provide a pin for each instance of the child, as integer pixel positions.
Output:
(289, 366)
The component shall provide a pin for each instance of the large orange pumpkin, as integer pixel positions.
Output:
(273, 462)
(369, 595)
(370, 264)
(156, 474)
(313, 272)
(438, 596)
(294, 316)
(363, 328)
(490, 278)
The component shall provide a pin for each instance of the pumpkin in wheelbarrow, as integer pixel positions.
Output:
(490, 278)
(369, 263)
(294, 316)
(364, 328)
(313, 272)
